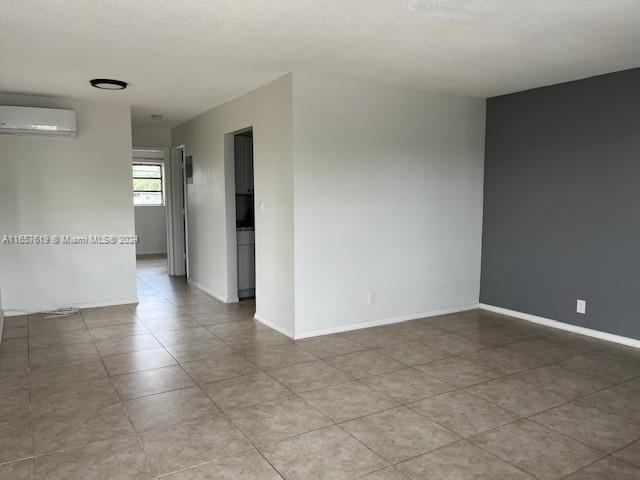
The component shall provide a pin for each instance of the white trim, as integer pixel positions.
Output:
(273, 326)
(230, 213)
(214, 294)
(10, 312)
(382, 321)
(610, 337)
(185, 203)
(170, 213)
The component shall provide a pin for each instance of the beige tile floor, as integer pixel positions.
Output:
(184, 387)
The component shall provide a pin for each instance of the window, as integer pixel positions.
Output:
(148, 184)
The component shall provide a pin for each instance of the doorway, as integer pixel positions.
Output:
(151, 201)
(161, 215)
(245, 214)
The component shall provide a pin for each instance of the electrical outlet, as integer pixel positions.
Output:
(261, 206)
(371, 296)
(581, 306)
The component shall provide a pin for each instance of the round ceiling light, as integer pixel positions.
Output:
(108, 84)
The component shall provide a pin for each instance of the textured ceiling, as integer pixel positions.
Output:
(182, 57)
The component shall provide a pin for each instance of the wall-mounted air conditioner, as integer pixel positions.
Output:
(52, 122)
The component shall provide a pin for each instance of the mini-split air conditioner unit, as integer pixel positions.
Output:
(52, 122)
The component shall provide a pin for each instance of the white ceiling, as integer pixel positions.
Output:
(183, 57)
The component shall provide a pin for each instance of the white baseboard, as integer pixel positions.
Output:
(12, 312)
(219, 296)
(273, 326)
(610, 337)
(381, 322)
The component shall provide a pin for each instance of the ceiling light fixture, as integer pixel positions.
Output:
(156, 117)
(108, 84)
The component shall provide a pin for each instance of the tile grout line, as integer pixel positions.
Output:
(219, 412)
(360, 380)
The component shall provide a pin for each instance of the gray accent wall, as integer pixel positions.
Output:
(562, 202)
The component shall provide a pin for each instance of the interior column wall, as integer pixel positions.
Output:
(269, 111)
(388, 203)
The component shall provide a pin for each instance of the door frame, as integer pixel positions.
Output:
(230, 197)
(166, 174)
(177, 231)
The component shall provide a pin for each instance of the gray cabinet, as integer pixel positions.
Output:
(246, 263)
(244, 164)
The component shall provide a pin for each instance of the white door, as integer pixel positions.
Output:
(177, 251)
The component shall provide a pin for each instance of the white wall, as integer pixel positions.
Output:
(211, 252)
(73, 186)
(151, 136)
(151, 229)
(388, 199)
(366, 189)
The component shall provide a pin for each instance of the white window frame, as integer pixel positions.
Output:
(163, 191)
